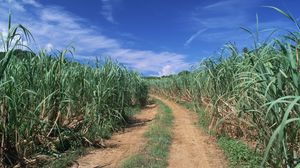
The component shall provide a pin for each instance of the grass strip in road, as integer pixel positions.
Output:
(156, 150)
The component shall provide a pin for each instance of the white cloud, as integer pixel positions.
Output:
(53, 26)
(49, 47)
(56, 26)
(166, 70)
(149, 61)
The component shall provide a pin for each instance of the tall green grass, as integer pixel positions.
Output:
(253, 94)
(49, 105)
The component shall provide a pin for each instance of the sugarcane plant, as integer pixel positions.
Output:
(50, 104)
(253, 94)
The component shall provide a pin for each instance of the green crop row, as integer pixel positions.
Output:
(49, 105)
(253, 94)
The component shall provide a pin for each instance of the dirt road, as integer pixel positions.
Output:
(121, 145)
(191, 148)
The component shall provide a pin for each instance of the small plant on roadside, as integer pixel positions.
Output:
(239, 154)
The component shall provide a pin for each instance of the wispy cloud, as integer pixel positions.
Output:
(55, 28)
(194, 36)
(108, 7)
(222, 21)
(227, 5)
(12, 4)
(32, 2)
(224, 14)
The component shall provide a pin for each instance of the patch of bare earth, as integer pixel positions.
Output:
(121, 145)
(191, 147)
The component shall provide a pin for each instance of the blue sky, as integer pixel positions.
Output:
(154, 37)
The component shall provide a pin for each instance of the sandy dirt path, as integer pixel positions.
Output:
(121, 145)
(191, 147)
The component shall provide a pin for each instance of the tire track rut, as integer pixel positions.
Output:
(121, 145)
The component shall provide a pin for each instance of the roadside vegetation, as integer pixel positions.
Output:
(156, 150)
(252, 95)
(50, 105)
(239, 154)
